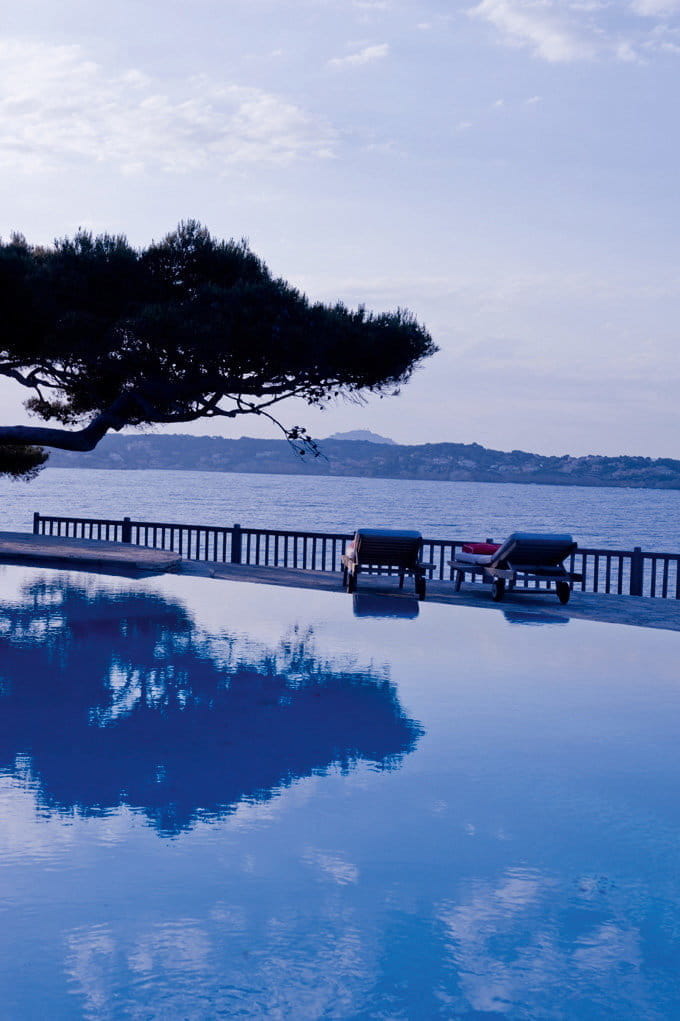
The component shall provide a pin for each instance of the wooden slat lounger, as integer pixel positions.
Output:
(536, 556)
(382, 547)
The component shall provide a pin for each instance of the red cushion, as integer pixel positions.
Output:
(481, 547)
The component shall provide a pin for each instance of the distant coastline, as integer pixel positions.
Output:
(453, 462)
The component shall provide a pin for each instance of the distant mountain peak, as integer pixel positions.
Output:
(361, 436)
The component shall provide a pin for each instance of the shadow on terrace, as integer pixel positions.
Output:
(110, 699)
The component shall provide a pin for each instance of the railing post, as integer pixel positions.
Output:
(236, 544)
(636, 568)
(126, 532)
(36, 523)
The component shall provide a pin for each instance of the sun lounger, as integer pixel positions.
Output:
(535, 556)
(381, 547)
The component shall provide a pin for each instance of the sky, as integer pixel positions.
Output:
(505, 169)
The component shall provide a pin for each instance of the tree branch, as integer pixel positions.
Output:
(114, 417)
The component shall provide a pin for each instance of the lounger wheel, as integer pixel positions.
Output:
(497, 589)
(563, 589)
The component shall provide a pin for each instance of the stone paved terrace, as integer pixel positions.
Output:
(634, 610)
(57, 552)
(93, 554)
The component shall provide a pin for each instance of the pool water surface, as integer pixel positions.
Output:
(220, 799)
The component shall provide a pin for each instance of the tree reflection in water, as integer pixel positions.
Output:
(110, 698)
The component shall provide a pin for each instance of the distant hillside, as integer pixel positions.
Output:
(458, 462)
(361, 434)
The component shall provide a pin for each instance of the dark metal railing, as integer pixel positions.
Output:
(622, 572)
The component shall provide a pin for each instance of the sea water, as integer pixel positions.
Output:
(604, 517)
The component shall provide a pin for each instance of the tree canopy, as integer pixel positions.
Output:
(106, 336)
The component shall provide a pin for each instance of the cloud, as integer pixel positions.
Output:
(564, 31)
(364, 56)
(655, 8)
(663, 38)
(57, 107)
(538, 24)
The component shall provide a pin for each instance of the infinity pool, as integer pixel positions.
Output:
(227, 800)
